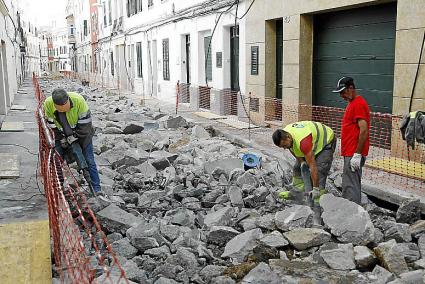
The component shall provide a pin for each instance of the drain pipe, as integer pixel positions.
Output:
(47, 135)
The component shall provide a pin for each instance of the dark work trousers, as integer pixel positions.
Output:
(352, 181)
(323, 161)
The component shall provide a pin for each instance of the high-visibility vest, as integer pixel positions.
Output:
(77, 114)
(322, 136)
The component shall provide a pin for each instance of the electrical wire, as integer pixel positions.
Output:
(247, 10)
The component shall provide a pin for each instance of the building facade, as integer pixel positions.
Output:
(145, 47)
(281, 52)
(12, 53)
(305, 46)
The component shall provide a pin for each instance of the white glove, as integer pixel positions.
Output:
(355, 162)
(71, 139)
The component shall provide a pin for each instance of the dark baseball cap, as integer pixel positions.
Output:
(60, 97)
(343, 83)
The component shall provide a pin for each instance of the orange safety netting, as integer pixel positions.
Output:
(389, 164)
(81, 251)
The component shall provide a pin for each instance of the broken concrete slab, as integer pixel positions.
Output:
(12, 126)
(220, 235)
(124, 248)
(261, 274)
(227, 165)
(275, 239)
(298, 216)
(133, 128)
(221, 217)
(112, 130)
(304, 238)
(10, 165)
(382, 275)
(235, 195)
(114, 219)
(175, 122)
(347, 221)
(200, 132)
(390, 254)
(364, 257)
(341, 258)
(409, 211)
(240, 246)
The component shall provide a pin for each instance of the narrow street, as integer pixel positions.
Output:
(212, 141)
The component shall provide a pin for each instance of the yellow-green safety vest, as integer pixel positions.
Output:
(322, 136)
(77, 113)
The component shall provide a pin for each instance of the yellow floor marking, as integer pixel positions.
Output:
(208, 115)
(25, 253)
(399, 166)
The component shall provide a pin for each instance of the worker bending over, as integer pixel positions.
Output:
(69, 116)
(313, 145)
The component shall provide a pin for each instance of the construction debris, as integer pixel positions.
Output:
(186, 211)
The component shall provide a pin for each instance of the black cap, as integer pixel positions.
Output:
(343, 83)
(60, 97)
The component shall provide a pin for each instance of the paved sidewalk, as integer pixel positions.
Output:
(24, 226)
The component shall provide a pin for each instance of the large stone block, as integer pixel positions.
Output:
(114, 219)
(347, 221)
(242, 245)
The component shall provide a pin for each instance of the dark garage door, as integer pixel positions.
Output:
(359, 43)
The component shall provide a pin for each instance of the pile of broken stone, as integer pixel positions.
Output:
(184, 210)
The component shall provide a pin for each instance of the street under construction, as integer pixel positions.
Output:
(212, 141)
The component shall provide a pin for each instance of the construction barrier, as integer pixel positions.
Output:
(81, 251)
(389, 163)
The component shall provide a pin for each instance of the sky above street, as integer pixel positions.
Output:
(44, 12)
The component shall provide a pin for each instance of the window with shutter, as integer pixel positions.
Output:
(166, 59)
(139, 60)
(254, 60)
(208, 59)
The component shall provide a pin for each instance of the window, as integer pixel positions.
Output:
(254, 60)
(208, 59)
(139, 60)
(166, 59)
(139, 5)
(112, 63)
(110, 11)
(85, 27)
(105, 18)
(150, 3)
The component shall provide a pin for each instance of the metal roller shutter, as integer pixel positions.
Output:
(359, 43)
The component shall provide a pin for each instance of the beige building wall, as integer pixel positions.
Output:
(298, 49)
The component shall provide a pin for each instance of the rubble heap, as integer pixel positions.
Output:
(184, 210)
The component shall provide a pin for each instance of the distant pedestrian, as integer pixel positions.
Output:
(355, 138)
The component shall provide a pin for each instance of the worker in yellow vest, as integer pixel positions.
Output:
(313, 145)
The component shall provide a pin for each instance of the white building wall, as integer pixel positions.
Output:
(12, 75)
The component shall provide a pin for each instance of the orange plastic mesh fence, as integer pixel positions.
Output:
(81, 251)
(389, 163)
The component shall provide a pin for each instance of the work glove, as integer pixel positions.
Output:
(316, 193)
(71, 139)
(284, 195)
(355, 162)
(298, 183)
